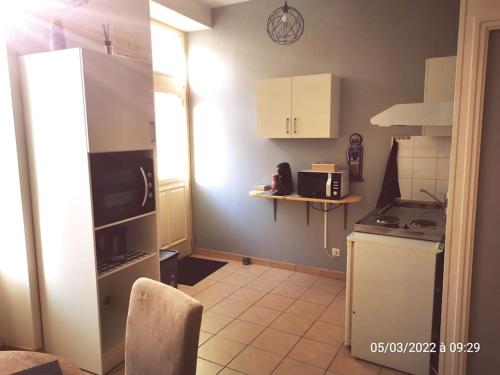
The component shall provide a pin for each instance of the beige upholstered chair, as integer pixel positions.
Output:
(163, 327)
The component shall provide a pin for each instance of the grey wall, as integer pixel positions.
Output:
(485, 304)
(377, 47)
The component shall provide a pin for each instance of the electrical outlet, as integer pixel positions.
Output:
(335, 252)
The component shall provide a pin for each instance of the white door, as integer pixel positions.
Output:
(172, 138)
(119, 102)
(274, 97)
(311, 106)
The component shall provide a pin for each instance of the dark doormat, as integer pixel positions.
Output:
(193, 270)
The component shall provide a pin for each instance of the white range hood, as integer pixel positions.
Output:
(428, 114)
(437, 107)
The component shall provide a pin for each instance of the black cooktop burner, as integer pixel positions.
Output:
(421, 223)
(387, 220)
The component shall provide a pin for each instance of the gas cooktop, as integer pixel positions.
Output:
(407, 219)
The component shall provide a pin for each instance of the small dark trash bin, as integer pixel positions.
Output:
(168, 267)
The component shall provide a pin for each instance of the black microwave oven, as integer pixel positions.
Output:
(324, 185)
(122, 186)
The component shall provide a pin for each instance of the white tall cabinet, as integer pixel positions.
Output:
(78, 102)
(298, 107)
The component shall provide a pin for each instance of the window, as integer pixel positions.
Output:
(169, 65)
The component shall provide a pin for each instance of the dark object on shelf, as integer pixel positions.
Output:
(193, 270)
(122, 185)
(111, 244)
(355, 157)
(49, 368)
(285, 25)
(322, 185)
(168, 267)
(105, 267)
(247, 261)
(390, 186)
(284, 185)
(108, 44)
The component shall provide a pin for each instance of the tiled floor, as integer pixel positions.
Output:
(260, 320)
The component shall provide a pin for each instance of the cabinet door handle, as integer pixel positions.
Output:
(295, 125)
(286, 125)
(153, 131)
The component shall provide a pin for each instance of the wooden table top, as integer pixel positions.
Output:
(295, 197)
(15, 361)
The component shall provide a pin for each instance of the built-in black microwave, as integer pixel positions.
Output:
(122, 186)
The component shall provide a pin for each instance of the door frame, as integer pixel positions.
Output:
(477, 19)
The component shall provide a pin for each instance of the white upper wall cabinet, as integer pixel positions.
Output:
(119, 103)
(439, 87)
(298, 107)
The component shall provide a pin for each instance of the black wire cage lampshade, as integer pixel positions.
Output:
(285, 25)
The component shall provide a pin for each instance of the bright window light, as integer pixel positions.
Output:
(171, 137)
(169, 55)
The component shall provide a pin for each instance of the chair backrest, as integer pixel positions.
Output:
(163, 327)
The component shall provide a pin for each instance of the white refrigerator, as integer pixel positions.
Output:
(390, 300)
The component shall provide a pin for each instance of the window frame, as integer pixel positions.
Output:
(171, 85)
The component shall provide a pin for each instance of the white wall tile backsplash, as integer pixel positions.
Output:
(425, 168)
(405, 168)
(425, 147)
(443, 168)
(444, 148)
(423, 163)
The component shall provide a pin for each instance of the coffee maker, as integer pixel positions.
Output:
(111, 244)
(284, 185)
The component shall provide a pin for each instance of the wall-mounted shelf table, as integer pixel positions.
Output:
(325, 204)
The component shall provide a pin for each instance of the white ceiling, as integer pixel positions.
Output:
(220, 3)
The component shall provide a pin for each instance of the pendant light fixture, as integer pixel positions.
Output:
(285, 25)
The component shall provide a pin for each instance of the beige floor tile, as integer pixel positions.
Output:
(208, 300)
(333, 316)
(204, 367)
(239, 278)
(390, 371)
(327, 333)
(276, 274)
(228, 371)
(275, 341)
(291, 323)
(314, 353)
(329, 285)
(204, 336)
(275, 302)
(287, 290)
(253, 361)
(344, 364)
(220, 350)
(306, 309)
(189, 290)
(222, 288)
(339, 302)
(259, 315)
(213, 323)
(203, 284)
(262, 285)
(254, 269)
(318, 296)
(230, 307)
(292, 367)
(220, 274)
(247, 295)
(241, 331)
(343, 292)
(302, 279)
